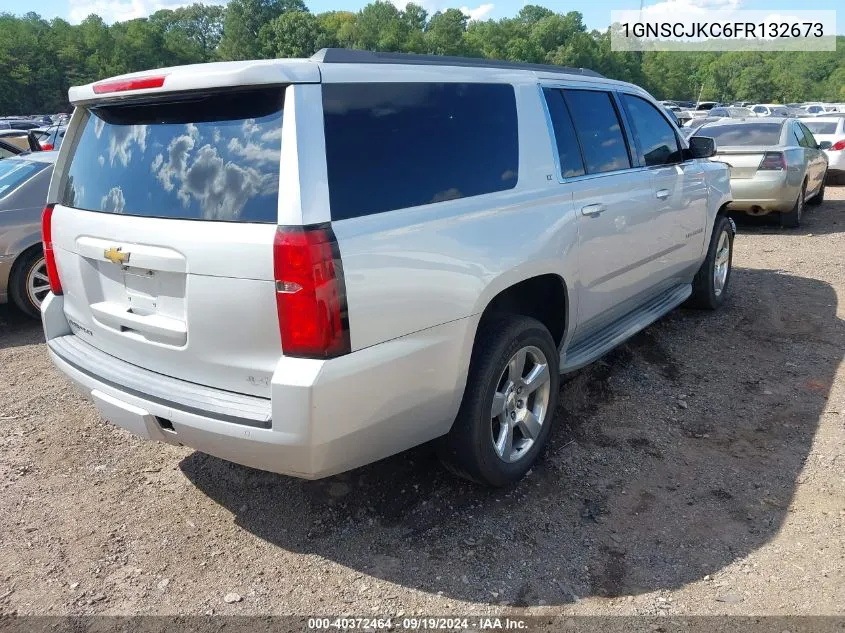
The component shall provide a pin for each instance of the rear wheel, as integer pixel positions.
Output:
(29, 284)
(509, 403)
(792, 219)
(817, 199)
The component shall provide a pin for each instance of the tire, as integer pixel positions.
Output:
(470, 450)
(817, 199)
(27, 283)
(792, 220)
(709, 290)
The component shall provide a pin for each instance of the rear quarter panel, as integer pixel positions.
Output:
(416, 268)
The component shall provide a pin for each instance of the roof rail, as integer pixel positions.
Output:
(351, 56)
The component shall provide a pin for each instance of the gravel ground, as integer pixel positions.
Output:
(696, 470)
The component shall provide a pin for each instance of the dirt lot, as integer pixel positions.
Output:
(697, 470)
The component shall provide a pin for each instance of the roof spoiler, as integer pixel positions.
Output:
(350, 56)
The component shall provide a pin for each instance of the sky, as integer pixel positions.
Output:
(596, 13)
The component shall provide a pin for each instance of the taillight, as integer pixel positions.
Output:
(310, 292)
(122, 85)
(49, 255)
(46, 146)
(773, 161)
(838, 146)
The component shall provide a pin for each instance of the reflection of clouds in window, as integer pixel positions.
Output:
(249, 127)
(101, 159)
(510, 174)
(255, 152)
(99, 124)
(222, 188)
(449, 194)
(177, 152)
(121, 141)
(215, 135)
(113, 201)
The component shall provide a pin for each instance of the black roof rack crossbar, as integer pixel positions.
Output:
(350, 56)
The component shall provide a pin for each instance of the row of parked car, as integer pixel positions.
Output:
(416, 252)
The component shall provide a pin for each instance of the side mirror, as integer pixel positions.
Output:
(824, 145)
(701, 146)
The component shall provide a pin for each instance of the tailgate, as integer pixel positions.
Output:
(163, 236)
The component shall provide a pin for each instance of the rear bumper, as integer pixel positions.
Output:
(764, 193)
(835, 162)
(323, 417)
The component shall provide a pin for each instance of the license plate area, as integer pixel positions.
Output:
(142, 290)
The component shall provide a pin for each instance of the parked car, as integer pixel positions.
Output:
(690, 128)
(8, 149)
(430, 260)
(706, 105)
(18, 124)
(730, 112)
(24, 140)
(769, 110)
(815, 108)
(50, 138)
(24, 180)
(776, 165)
(831, 129)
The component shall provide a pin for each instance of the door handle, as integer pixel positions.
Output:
(662, 194)
(593, 209)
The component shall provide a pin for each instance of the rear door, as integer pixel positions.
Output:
(614, 203)
(163, 233)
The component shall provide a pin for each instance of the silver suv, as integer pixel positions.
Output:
(308, 265)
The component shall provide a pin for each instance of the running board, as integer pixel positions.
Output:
(602, 341)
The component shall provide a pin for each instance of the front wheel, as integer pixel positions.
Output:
(509, 402)
(710, 286)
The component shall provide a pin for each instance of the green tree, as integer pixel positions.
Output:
(244, 19)
(445, 32)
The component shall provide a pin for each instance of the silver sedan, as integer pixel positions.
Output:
(24, 181)
(776, 165)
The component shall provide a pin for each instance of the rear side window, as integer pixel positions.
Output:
(397, 145)
(809, 139)
(16, 171)
(203, 157)
(743, 134)
(599, 130)
(569, 153)
(655, 135)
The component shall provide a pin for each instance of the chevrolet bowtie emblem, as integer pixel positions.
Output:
(116, 255)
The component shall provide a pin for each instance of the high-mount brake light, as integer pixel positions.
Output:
(123, 85)
(310, 292)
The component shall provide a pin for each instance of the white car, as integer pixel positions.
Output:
(770, 110)
(308, 265)
(830, 130)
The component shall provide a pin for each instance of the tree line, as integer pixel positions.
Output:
(40, 59)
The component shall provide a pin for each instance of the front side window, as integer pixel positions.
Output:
(655, 135)
(205, 157)
(392, 146)
(599, 130)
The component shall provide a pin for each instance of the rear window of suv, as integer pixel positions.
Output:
(197, 157)
(397, 145)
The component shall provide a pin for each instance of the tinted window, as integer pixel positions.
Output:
(655, 135)
(397, 145)
(599, 131)
(210, 157)
(743, 134)
(760, 109)
(821, 127)
(15, 171)
(569, 153)
(809, 139)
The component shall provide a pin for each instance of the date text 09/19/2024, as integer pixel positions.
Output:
(418, 624)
